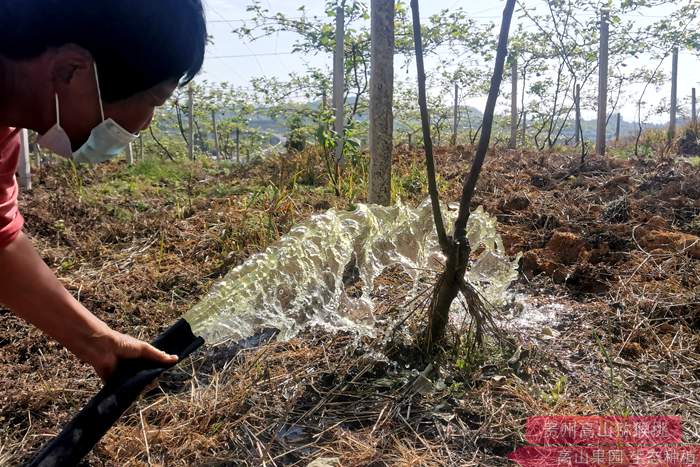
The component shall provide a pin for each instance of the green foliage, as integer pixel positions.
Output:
(470, 358)
(562, 52)
(235, 112)
(652, 142)
(296, 136)
(453, 29)
(556, 47)
(157, 170)
(556, 392)
(689, 141)
(410, 185)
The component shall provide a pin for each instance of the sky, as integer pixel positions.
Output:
(235, 61)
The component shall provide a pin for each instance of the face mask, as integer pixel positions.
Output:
(107, 140)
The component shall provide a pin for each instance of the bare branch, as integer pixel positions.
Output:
(427, 140)
(470, 184)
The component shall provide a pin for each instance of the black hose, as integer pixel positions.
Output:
(131, 378)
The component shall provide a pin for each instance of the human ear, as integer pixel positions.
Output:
(71, 63)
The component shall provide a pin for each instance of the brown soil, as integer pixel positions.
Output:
(615, 244)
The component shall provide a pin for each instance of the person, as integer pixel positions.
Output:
(86, 76)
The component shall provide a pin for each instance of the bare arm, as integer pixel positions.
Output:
(31, 290)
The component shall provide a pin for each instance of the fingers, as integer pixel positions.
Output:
(149, 352)
(130, 347)
(115, 347)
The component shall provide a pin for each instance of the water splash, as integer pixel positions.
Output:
(298, 281)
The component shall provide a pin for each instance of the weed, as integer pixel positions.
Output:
(556, 392)
(76, 180)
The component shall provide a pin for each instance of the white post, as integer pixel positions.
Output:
(190, 111)
(674, 97)
(130, 154)
(339, 81)
(514, 105)
(216, 135)
(601, 134)
(24, 167)
(577, 124)
(238, 145)
(455, 125)
(381, 118)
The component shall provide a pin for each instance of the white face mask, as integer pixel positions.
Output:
(107, 140)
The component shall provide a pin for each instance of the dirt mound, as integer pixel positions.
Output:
(663, 241)
(566, 246)
(515, 203)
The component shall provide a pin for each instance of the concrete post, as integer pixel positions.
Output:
(130, 154)
(24, 167)
(339, 81)
(216, 135)
(455, 123)
(190, 113)
(577, 124)
(601, 134)
(381, 119)
(674, 97)
(514, 105)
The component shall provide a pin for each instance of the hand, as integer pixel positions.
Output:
(111, 347)
(30, 289)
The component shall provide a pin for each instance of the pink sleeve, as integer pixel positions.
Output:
(11, 221)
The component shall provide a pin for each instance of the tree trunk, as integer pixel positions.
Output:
(381, 119)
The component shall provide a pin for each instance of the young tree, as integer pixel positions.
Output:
(456, 248)
(232, 108)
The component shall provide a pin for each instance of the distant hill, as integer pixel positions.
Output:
(589, 127)
(278, 127)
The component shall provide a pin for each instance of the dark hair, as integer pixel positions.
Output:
(136, 44)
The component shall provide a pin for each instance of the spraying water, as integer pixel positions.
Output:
(298, 281)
